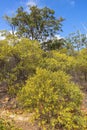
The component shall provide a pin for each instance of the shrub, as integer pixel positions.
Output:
(54, 100)
(6, 125)
(55, 61)
(81, 64)
(18, 62)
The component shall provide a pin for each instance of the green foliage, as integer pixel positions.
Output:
(55, 60)
(54, 44)
(82, 60)
(18, 62)
(53, 99)
(40, 79)
(81, 65)
(6, 125)
(39, 24)
(76, 41)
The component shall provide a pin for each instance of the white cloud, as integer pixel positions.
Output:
(4, 34)
(28, 3)
(2, 37)
(32, 2)
(58, 36)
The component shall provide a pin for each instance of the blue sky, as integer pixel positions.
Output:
(74, 11)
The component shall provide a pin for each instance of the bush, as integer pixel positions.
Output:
(6, 125)
(55, 61)
(54, 100)
(81, 64)
(18, 62)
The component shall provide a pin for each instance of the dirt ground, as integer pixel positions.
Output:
(8, 111)
(20, 120)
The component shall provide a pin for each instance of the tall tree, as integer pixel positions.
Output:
(77, 40)
(39, 24)
(54, 44)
